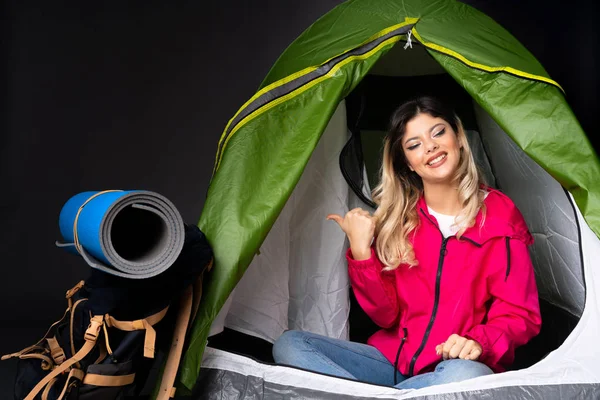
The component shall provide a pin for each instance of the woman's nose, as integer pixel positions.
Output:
(431, 146)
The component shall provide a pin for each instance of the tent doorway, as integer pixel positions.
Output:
(405, 73)
(362, 120)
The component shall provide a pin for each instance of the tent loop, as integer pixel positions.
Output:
(408, 41)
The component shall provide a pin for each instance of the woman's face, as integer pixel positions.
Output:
(432, 148)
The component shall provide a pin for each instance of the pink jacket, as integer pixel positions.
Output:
(481, 287)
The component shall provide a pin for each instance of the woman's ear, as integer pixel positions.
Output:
(460, 139)
(411, 168)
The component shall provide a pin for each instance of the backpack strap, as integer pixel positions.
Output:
(138, 325)
(47, 362)
(172, 364)
(56, 352)
(198, 289)
(49, 387)
(108, 380)
(106, 343)
(38, 347)
(103, 352)
(188, 307)
(72, 319)
(74, 373)
(91, 335)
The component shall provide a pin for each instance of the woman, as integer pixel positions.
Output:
(442, 266)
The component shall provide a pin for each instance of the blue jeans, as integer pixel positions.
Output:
(363, 362)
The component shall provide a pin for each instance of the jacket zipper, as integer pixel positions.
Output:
(436, 301)
(507, 258)
(438, 280)
(398, 354)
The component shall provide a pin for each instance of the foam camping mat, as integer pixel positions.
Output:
(132, 234)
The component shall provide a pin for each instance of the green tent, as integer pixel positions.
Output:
(266, 146)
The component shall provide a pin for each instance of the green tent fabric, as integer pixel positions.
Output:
(267, 143)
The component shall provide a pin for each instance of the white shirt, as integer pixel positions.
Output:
(447, 223)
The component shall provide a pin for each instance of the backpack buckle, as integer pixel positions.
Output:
(71, 292)
(93, 330)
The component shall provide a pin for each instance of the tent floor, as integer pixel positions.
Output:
(556, 326)
(240, 343)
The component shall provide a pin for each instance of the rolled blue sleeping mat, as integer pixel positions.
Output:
(134, 234)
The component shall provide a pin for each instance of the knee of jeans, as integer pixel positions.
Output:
(465, 368)
(286, 345)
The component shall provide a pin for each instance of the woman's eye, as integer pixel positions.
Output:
(414, 146)
(440, 133)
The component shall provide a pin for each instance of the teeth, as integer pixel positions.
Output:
(437, 159)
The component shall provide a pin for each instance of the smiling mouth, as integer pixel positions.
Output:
(437, 160)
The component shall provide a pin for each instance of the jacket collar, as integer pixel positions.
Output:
(502, 219)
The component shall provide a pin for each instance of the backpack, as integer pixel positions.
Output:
(117, 333)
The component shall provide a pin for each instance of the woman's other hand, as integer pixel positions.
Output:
(457, 346)
(359, 226)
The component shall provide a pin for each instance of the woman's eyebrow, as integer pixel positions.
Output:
(430, 130)
(435, 126)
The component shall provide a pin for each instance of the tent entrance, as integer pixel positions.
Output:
(298, 281)
(546, 207)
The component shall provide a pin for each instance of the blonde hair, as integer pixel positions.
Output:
(400, 188)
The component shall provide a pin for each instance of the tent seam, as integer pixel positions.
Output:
(484, 67)
(227, 135)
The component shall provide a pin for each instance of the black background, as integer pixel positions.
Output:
(136, 95)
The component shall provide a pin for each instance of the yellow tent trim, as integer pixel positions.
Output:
(483, 67)
(289, 78)
(304, 88)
